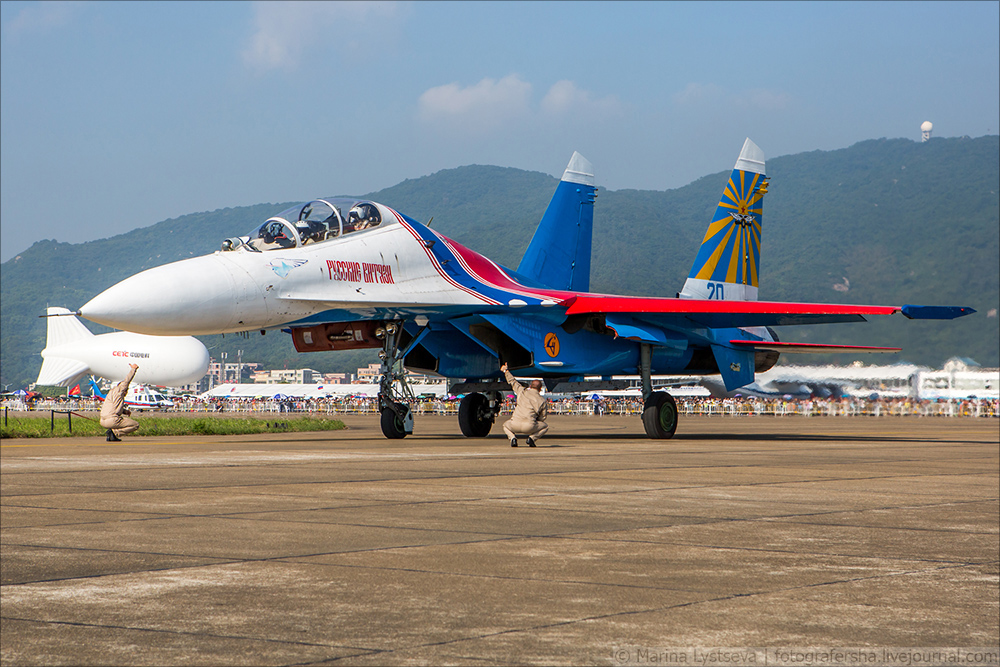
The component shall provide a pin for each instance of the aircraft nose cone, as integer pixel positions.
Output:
(193, 296)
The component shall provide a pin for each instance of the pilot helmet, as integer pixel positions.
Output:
(364, 215)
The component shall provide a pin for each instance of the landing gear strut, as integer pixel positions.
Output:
(477, 412)
(659, 410)
(396, 419)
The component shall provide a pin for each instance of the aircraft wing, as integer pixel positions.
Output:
(717, 314)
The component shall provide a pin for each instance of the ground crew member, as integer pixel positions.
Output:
(114, 414)
(529, 413)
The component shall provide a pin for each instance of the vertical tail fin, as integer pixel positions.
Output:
(94, 387)
(559, 253)
(728, 263)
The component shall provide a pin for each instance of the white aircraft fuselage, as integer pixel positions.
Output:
(378, 270)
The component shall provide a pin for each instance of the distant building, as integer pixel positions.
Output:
(369, 375)
(373, 373)
(959, 379)
(288, 376)
(227, 373)
(199, 387)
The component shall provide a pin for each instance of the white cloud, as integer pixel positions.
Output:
(565, 97)
(40, 17)
(490, 103)
(481, 105)
(286, 30)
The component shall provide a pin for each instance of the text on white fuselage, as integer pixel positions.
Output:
(359, 272)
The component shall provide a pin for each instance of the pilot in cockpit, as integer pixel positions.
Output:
(363, 216)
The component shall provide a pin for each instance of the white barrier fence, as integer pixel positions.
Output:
(710, 407)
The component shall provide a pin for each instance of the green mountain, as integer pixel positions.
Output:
(881, 222)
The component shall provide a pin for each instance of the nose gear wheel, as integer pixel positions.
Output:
(394, 394)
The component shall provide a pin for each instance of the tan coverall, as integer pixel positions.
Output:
(113, 412)
(529, 413)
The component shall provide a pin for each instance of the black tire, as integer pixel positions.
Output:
(392, 425)
(659, 415)
(475, 417)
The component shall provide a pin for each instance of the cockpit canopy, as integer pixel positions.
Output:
(313, 222)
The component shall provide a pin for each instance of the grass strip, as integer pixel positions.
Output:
(38, 427)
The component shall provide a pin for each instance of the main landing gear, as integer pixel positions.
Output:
(659, 415)
(396, 418)
(477, 413)
(659, 410)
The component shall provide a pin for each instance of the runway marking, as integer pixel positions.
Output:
(107, 444)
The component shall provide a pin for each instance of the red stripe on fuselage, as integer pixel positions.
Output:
(487, 272)
(438, 266)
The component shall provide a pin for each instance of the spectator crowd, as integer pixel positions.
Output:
(713, 407)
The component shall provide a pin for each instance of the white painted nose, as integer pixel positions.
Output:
(201, 295)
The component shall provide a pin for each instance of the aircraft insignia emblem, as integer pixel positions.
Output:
(551, 345)
(283, 267)
(734, 367)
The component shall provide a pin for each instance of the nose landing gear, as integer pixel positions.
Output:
(396, 418)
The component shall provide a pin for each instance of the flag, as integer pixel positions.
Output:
(75, 391)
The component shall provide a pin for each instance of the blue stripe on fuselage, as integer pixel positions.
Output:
(454, 268)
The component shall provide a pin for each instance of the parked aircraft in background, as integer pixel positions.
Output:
(73, 351)
(347, 273)
(139, 397)
(780, 382)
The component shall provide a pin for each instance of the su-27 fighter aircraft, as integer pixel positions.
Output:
(340, 274)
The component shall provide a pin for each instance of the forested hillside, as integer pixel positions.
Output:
(882, 222)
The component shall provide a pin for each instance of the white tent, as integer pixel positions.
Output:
(320, 390)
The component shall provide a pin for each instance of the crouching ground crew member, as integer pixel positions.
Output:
(114, 414)
(529, 413)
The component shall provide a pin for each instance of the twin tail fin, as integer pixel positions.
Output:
(559, 253)
(727, 266)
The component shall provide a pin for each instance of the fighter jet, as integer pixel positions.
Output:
(341, 274)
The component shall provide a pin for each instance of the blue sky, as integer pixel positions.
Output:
(119, 115)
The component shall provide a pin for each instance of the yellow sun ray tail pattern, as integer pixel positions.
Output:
(730, 252)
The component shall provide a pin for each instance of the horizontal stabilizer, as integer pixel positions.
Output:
(936, 312)
(806, 348)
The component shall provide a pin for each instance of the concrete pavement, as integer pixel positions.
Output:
(346, 548)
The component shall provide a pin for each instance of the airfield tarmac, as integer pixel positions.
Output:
(351, 549)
